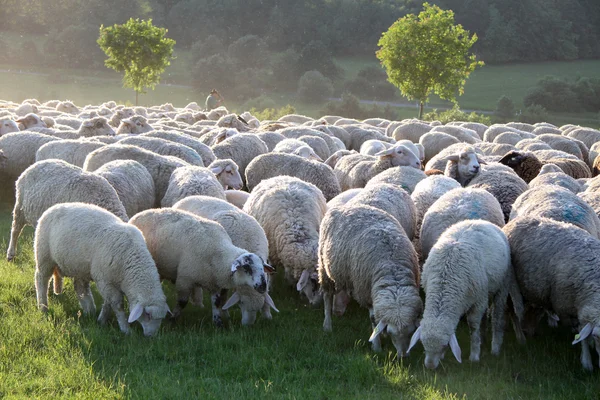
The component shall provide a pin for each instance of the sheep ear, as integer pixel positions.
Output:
(377, 331)
(270, 302)
(386, 152)
(221, 136)
(135, 313)
(169, 311)
(235, 297)
(303, 281)
(216, 170)
(481, 160)
(269, 269)
(455, 348)
(452, 157)
(583, 333)
(414, 339)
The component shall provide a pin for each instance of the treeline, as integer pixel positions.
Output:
(508, 30)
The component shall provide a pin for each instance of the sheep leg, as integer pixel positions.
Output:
(474, 320)
(184, 287)
(113, 298)
(218, 300)
(58, 281)
(18, 223)
(84, 295)
(328, 305)
(197, 296)
(42, 279)
(586, 356)
(377, 341)
(104, 313)
(498, 321)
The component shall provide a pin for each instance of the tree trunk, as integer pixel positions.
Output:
(421, 109)
(136, 98)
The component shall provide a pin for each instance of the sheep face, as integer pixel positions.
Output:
(308, 153)
(149, 316)
(97, 126)
(32, 120)
(133, 125)
(7, 126)
(400, 156)
(309, 285)
(228, 176)
(467, 164)
(436, 337)
(400, 337)
(67, 107)
(249, 270)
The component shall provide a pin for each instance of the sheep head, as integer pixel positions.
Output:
(8, 126)
(308, 153)
(97, 126)
(32, 120)
(464, 166)
(400, 156)
(134, 125)
(150, 316)
(227, 173)
(249, 270)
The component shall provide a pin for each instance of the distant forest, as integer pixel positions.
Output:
(508, 30)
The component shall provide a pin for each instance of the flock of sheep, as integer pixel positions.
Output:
(369, 210)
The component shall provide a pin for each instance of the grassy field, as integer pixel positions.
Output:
(65, 355)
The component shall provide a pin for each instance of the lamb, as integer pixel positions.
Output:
(405, 177)
(134, 125)
(72, 151)
(166, 148)
(203, 150)
(559, 204)
(364, 251)
(160, 167)
(132, 182)
(276, 164)
(54, 181)
(211, 181)
(88, 243)
(177, 240)
(245, 232)
(8, 126)
(356, 170)
(455, 206)
(557, 266)
(290, 212)
(242, 149)
(19, 149)
(468, 267)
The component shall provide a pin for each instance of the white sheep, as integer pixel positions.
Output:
(463, 165)
(203, 150)
(364, 251)
(242, 149)
(97, 126)
(88, 243)
(467, 268)
(297, 147)
(237, 197)
(19, 149)
(177, 241)
(165, 148)
(405, 177)
(134, 125)
(71, 151)
(8, 126)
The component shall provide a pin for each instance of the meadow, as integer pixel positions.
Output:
(66, 355)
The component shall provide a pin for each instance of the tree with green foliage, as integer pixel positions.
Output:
(139, 49)
(428, 54)
(505, 108)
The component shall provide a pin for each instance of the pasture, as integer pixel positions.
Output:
(64, 355)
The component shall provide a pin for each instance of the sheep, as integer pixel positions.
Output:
(67, 107)
(97, 126)
(211, 181)
(361, 133)
(557, 203)
(237, 197)
(290, 212)
(427, 191)
(215, 136)
(298, 132)
(405, 177)
(297, 147)
(177, 240)
(392, 199)
(31, 121)
(586, 135)
(242, 149)
(25, 109)
(344, 197)
(463, 165)
(160, 167)
(217, 113)
(504, 184)
(271, 139)
(8, 126)
(550, 176)
(455, 206)
(132, 182)
(134, 125)
(19, 150)
(522, 126)
(524, 163)
(434, 142)
(468, 268)
(570, 164)
(203, 150)
(166, 148)
(373, 146)
(49, 182)
(511, 138)
(411, 131)
(335, 157)
(476, 127)
(70, 122)
(86, 243)
(233, 121)
(245, 232)
(532, 145)
(364, 251)
(462, 134)
(72, 151)
(494, 130)
(295, 119)
(562, 143)
(557, 267)
(275, 164)
(120, 115)
(356, 170)
(339, 133)
(591, 198)
(319, 146)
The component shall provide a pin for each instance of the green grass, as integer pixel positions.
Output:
(65, 355)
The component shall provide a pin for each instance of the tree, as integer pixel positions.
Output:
(505, 108)
(427, 54)
(140, 50)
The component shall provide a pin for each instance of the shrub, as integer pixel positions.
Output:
(216, 71)
(534, 113)
(371, 83)
(285, 70)
(555, 94)
(205, 48)
(456, 114)
(261, 102)
(505, 109)
(249, 51)
(272, 114)
(313, 86)
(315, 56)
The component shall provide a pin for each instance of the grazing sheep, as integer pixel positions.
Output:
(559, 204)
(290, 212)
(557, 267)
(455, 206)
(276, 164)
(335, 157)
(373, 146)
(72, 151)
(362, 133)
(298, 132)
(19, 150)
(160, 167)
(8, 126)
(405, 177)
(344, 197)
(132, 182)
(462, 134)
(166, 148)
(468, 268)
(355, 171)
(50, 182)
(203, 150)
(88, 243)
(134, 125)
(242, 149)
(364, 252)
(177, 240)
(562, 143)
